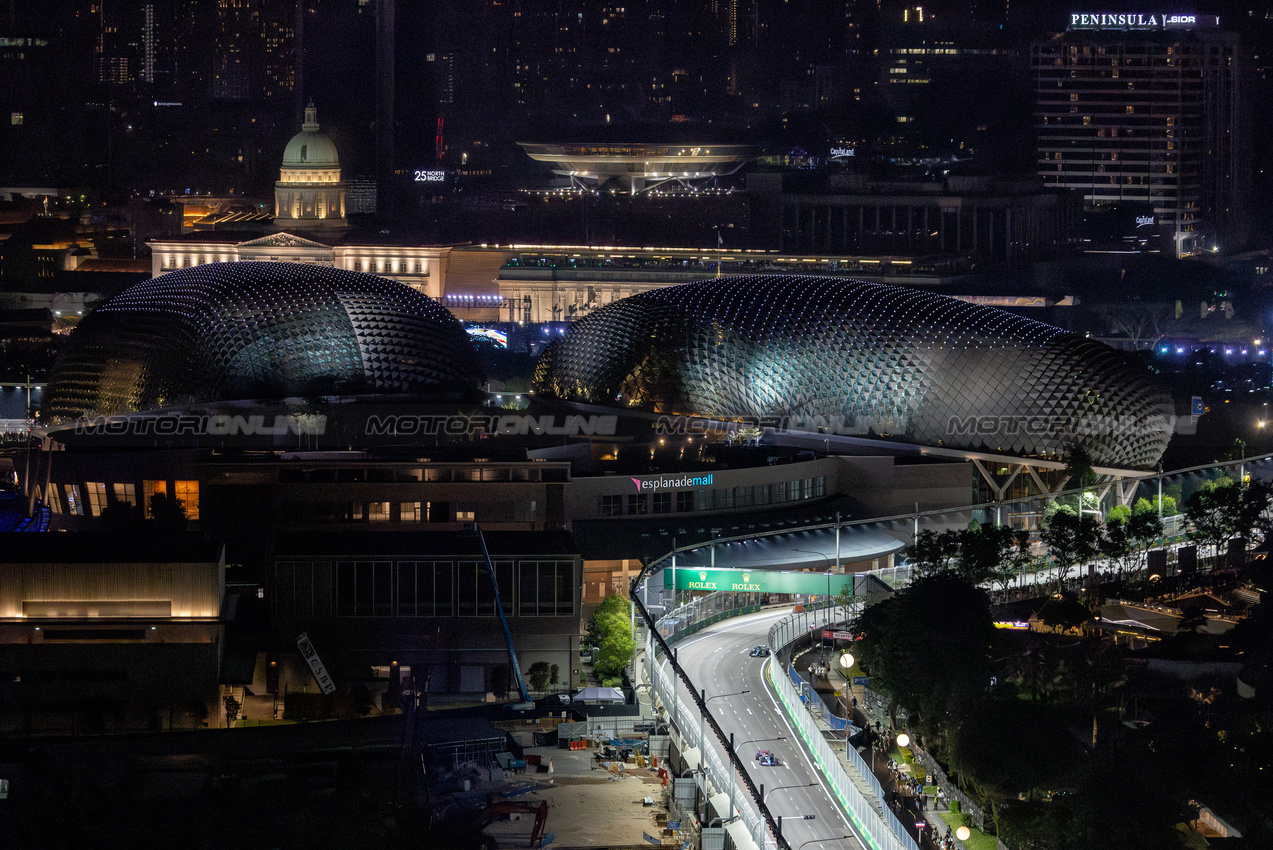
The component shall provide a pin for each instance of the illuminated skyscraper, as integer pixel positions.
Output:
(1146, 109)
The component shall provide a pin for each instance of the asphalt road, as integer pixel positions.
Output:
(717, 659)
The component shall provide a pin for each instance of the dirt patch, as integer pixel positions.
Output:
(588, 805)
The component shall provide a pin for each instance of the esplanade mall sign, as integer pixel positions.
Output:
(1139, 21)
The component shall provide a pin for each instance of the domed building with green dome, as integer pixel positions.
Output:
(309, 192)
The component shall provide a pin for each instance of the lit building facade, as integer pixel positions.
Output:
(130, 626)
(865, 359)
(257, 330)
(1147, 110)
(309, 192)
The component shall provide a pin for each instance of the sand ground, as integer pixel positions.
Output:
(587, 805)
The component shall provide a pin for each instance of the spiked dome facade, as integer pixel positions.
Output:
(257, 330)
(867, 359)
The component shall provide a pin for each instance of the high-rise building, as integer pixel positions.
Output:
(1145, 110)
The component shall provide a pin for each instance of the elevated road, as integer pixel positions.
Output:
(718, 661)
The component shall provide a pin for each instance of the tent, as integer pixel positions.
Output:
(599, 695)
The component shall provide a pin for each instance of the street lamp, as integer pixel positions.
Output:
(780, 818)
(764, 794)
(702, 745)
(816, 840)
(734, 752)
(830, 572)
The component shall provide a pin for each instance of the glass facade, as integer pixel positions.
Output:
(433, 588)
(838, 356)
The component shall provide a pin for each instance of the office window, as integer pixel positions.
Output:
(419, 267)
(74, 506)
(409, 511)
(545, 588)
(187, 493)
(612, 506)
(150, 489)
(126, 493)
(378, 512)
(426, 589)
(474, 595)
(684, 500)
(465, 512)
(364, 588)
(662, 503)
(637, 504)
(356, 511)
(96, 493)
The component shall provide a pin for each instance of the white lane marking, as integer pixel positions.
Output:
(799, 745)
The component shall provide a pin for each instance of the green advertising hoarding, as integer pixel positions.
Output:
(757, 581)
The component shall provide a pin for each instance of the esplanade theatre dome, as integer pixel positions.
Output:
(257, 330)
(865, 359)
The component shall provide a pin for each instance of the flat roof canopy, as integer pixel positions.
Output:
(805, 550)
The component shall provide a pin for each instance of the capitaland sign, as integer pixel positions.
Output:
(1130, 21)
(678, 481)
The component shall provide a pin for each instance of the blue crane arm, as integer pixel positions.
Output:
(503, 621)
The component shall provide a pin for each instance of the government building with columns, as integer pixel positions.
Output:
(309, 226)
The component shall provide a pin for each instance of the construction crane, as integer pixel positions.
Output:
(526, 702)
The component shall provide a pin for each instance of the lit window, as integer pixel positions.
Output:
(378, 512)
(410, 511)
(187, 494)
(96, 493)
(126, 493)
(150, 489)
(74, 506)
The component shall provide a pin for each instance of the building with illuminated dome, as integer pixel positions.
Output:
(309, 192)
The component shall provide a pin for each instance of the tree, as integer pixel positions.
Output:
(1078, 469)
(1145, 506)
(1212, 512)
(610, 634)
(1252, 515)
(1071, 540)
(537, 675)
(1116, 543)
(1145, 529)
(933, 552)
(928, 647)
(168, 513)
(983, 552)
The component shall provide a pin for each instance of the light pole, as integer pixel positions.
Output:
(764, 793)
(816, 840)
(706, 699)
(830, 572)
(778, 819)
(733, 751)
